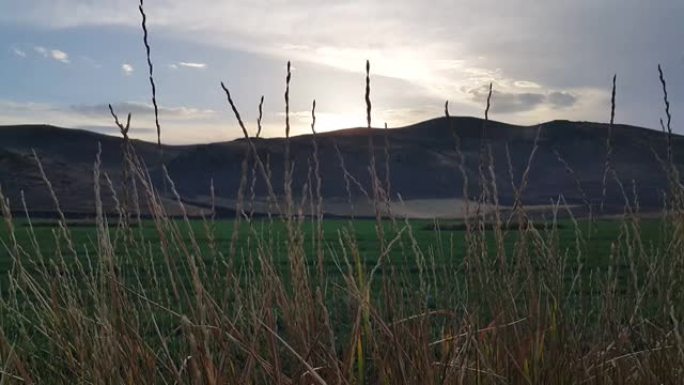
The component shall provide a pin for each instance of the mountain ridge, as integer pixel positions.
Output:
(424, 161)
(341, 131)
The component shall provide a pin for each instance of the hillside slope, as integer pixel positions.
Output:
(423, 161)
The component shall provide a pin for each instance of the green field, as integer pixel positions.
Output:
(446, 245)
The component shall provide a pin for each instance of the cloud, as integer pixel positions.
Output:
(192, 65)
(41, 50)
(127, 69)
(505, 101)
(142, 109)
(60, 56)
(52, 53)
(10, 106)
(96, 112)
(18, 52)
(525, 84)
(180, 124)
(561, 99)
(113, 130)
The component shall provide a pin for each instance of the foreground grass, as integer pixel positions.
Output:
(174, 301)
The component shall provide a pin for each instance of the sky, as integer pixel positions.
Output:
(63, 61)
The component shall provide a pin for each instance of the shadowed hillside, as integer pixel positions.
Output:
(423, 162)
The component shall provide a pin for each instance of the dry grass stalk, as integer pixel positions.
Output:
(150, 68)
(663, 83)
(126, 152)
(320, 237)
(609, 146)
(253, 175)
(287, 188)
(374, 180)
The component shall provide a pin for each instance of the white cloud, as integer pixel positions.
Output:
(18, 52)
(526, 84)
(52, 53)
(41, 50)
(192, 65)
(144, 110)
(59, 56)
(127, 69)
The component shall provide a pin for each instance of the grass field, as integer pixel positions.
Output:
(172, 300)
(447, 244)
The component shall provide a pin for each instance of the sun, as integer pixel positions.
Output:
(330, 121)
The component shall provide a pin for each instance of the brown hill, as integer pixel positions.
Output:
(423, 162)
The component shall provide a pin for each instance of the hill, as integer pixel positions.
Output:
(423, 161)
